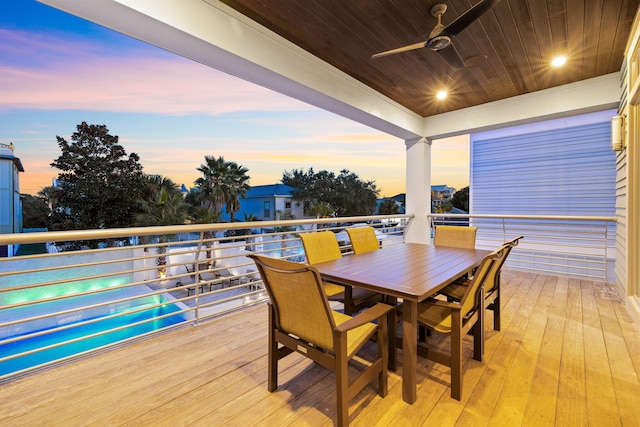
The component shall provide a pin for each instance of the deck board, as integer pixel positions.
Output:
(568, 353)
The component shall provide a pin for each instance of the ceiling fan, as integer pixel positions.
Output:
(440, 37)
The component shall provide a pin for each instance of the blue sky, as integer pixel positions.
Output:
(57, 70)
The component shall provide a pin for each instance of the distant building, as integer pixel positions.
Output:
(10, 204)
(268, 202)
(441, 194)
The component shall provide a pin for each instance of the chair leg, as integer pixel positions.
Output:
(422, 333)
(383, 352)
(273, 353)
(496, 311)
(342, 381)
(478, 338)
(456, 357)
(392, 327)
(496, 305)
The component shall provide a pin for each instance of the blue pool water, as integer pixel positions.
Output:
(40, 357)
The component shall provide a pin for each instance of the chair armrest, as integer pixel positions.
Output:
(367, 316)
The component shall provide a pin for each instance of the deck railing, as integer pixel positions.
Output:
(98, 288)
(95, 289)
(581, 247)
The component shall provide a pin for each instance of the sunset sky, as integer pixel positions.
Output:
(57, 71)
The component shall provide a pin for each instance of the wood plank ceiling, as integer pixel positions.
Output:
(519, 38)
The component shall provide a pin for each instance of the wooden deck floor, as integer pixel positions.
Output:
(568, 354)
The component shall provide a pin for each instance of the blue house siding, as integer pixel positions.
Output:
(276, 195)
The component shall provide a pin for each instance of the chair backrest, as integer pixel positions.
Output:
(493, 277)
(320, 246)
(454, 236)
(471, 300)
(363, 239)
(300, 304)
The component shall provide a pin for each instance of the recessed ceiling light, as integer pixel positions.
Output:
(559, 61)
(441, 94)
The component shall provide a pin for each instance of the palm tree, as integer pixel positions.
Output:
(237, 188)
(223, 183)
(165, 208)
(203, 215)
(154, 183)
(212, 186)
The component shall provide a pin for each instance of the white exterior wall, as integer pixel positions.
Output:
(557, 167)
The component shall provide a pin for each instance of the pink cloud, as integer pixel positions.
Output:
(63, 74)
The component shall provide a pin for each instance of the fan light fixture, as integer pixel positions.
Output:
(559, 61)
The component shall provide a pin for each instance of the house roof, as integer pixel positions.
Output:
(272, 190)
(16, 161)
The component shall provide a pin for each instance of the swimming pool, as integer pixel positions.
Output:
(123, 327)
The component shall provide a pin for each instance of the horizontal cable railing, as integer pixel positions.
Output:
(93, 289)
(581, 247)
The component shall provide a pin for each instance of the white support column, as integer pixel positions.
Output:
(418, 198)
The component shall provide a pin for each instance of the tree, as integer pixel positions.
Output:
(346, 193)
(238, 188)
(166, 208)
(460, 199)
(34, 211)
(388, 207)
(223, 184)
(153, 184)
(444, 207)
(100, 183)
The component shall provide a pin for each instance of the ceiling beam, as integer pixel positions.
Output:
(586, 96)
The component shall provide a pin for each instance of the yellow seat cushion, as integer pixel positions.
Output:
(435, 317)
(332, 289)
(355, 337)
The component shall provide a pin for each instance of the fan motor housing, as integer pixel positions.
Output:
(438, 43)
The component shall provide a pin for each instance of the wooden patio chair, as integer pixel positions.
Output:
(363, 239)
(456, 319)
(456, 290)
(453, 236)
(323, 246)
(301, 320)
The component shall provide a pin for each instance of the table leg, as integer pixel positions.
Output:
(409, 350)
(392, 321)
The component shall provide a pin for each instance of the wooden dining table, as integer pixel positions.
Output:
(411, 272)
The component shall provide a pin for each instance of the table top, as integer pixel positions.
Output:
(411, 271)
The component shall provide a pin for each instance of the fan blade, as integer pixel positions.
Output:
(464, 20)
(451, 55)
(400, 49)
